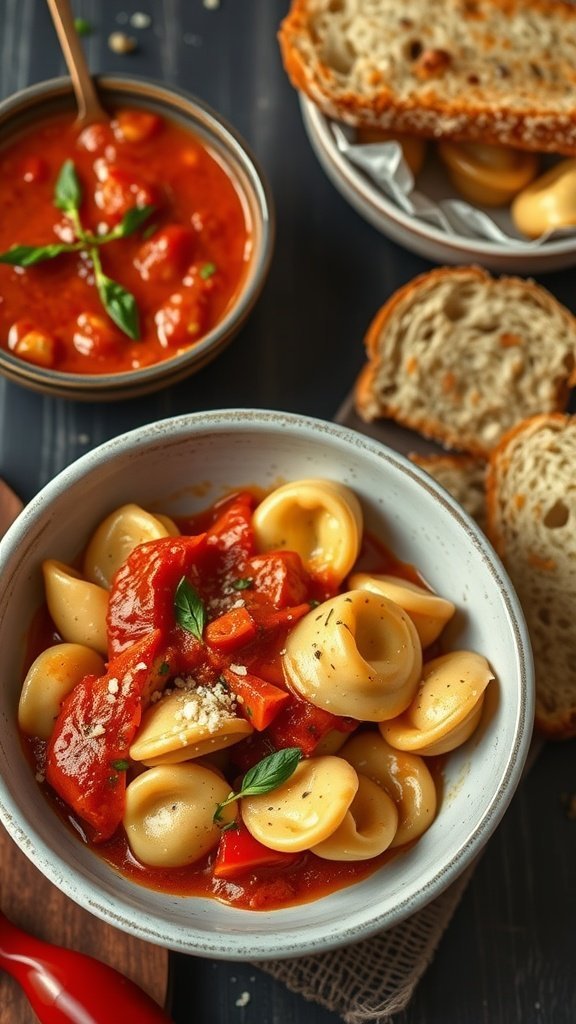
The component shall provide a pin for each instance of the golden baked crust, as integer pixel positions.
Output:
(461, 356)
(531, 508)
(496, 71)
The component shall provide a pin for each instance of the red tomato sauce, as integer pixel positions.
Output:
(307, 877)
(184, 266)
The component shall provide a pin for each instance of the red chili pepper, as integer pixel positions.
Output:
(65, 987)
(92, 735)
(238, 852)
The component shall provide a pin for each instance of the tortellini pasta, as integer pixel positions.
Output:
(169, 814)
(187, 724)
(428, 611)
(78, 607)
(306, 809)
(50, 677)
(357, 654)
(405, 777)
(368, 828)
(319, 519)
(446, 708)
(117, 536)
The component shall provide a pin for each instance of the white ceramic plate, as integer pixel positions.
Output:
(426, 239)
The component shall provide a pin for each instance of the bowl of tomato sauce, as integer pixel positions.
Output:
(261, 716)
(132, 250)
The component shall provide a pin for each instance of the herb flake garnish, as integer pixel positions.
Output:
(265, 776)
(243, 583)
(189, 609)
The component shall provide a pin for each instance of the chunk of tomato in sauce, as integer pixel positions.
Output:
(184, 317)
(165, 256)
(92, 736)
(136, 125)
(143, 589)
(118, 190)
(94, 336)
(280, 576)
(31, 342)
(301, 724)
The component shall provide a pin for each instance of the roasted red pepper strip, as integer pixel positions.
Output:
(93, 732)
(279, 575)
(259, 701)
(301, 724)
(230, 631)
(238, 852)
(142, 593)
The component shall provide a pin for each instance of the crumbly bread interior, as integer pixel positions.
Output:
(461, 357)
(532, 521)
(463, 476)
(502, 70)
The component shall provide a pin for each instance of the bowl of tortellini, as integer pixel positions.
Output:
(266, 688)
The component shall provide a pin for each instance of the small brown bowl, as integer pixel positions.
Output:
(32, 105)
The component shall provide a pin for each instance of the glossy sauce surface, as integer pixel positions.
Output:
(184, 266)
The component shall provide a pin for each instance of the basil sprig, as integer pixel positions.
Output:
(119, 303)
(265, 776)
(189, 608)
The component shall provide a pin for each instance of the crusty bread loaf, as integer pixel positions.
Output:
(497, 71)
(463, 476)
(461, 357)
(531, 490)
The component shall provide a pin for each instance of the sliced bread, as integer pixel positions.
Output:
(497, 71)
(531, 489)
(463, 476)
(461, 357)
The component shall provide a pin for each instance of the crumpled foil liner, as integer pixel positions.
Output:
(384, 164)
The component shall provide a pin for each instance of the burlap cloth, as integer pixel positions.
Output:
(373, 979)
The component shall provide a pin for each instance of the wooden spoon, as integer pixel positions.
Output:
(89, 107)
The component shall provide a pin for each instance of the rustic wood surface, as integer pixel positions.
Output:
(508, 955)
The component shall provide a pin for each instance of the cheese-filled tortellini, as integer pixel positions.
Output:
(78, 608)
(446, 708)
(188, 723)
(368, 828)
(405, 777)
(50, 677)
(319, 519)
(306, 809)
(428, 612)
(357, 654)
(169, 814)
(117, 536)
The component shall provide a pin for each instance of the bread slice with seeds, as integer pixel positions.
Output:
(463, 476)
(494, 71)
(461, 357)
(531, 488)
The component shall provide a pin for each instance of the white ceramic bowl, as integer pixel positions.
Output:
(417, 235)
(161, 466)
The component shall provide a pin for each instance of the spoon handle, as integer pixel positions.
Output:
(65, 987)
(89, 107)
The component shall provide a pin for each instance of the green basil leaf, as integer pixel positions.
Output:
(133, 219)
(244, 583)
(68, 190)
(207, 270)
(28, 255)
(189, 608)
(82, 26)
(120, 305)
(265, 776)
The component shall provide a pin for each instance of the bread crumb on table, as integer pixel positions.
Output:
(243, 999)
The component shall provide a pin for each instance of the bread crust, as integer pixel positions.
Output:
(539, 558)
(531, 113)
(378, 387)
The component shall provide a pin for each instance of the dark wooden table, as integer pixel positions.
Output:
(509, 953)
